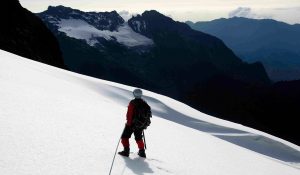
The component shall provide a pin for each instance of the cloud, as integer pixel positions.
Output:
(289, 15)
(246, 12)
(126, 15)
(289, 8)
(240, 12)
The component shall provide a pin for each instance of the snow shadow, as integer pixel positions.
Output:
(137, 165)
(254, 142)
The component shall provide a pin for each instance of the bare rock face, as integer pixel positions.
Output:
(24, 34)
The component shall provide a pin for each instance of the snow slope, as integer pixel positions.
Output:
(80, 29)
(57, 122)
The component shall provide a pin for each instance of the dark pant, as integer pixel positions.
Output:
(138, 134)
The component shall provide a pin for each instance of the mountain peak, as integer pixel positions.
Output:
(61, 12)
(58, 7)
(67, 10)
(152, 22)
(189, 22)
(101, 20)
(153, 12)
(155, 15)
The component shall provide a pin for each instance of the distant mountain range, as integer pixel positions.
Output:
(137, 51)
(275, 44)
(24, 34)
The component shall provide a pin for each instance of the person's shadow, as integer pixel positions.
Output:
(137, 165)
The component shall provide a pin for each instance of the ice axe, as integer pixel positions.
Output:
(144, 140)
(112, 164)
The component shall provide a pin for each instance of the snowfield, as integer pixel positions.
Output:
(55, 122)
(80, 29)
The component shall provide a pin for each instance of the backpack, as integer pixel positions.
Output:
(141, 114)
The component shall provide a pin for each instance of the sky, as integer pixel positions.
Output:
(183, 10)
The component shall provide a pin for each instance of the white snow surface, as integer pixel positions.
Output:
(55, 122)
(80, 29)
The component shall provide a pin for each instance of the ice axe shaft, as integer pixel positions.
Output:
(144, 140)
(112, 164)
